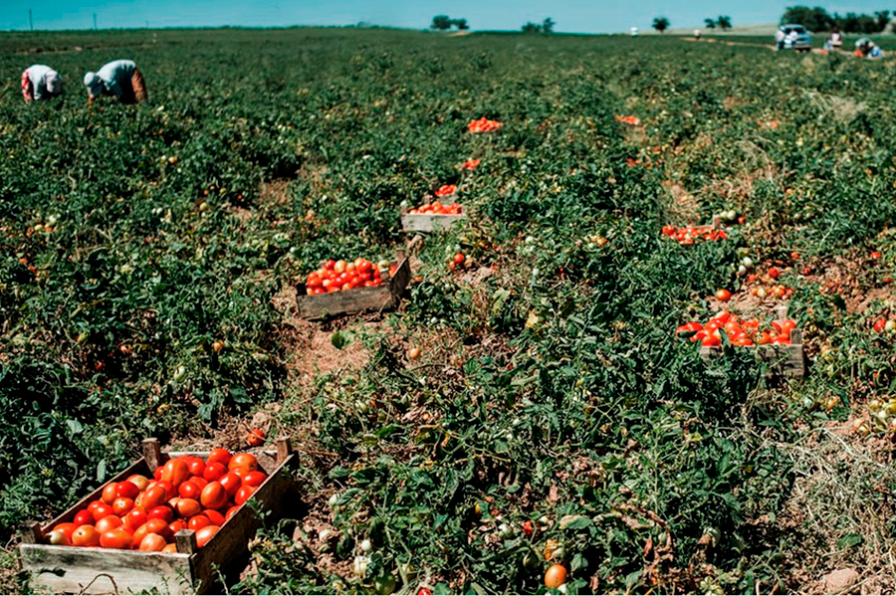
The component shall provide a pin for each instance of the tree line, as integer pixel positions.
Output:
(818, 19)
(444, 23)
(722, 22)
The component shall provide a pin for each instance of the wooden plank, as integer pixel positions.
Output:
(379, 298)
(419, 222)
(82, 570)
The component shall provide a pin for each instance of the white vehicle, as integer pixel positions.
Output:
(633, 31)
(793, 37)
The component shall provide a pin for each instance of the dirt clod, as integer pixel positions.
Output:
(840, 581)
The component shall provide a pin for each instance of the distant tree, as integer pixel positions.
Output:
(531, 27)
(661, 24)
(441, 22)
(883, 19)
(814, 19)
(547, 26)
(724, 23)
(461, 24)
(710, 24)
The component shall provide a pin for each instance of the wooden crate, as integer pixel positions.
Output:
(383, 297)
(784, 361)
(419, 222)
(85, 570)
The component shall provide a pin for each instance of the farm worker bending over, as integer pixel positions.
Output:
(120, 78)
(866, 47)
(40, 82)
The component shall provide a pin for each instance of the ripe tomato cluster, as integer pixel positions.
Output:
(741, 332)
(437, 208)
(888, 325)
(483, 125)
(765, 286)
(631, 120)
(689, 234)
(337, 276)
(446, 190)
(459, 260)
(185, 493)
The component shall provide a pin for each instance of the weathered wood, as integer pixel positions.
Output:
(82, 570)
(152, 453)
(284, 449)
(379, 298)
(420, 222)
(186, 542)
(66, 569)
(32, 533)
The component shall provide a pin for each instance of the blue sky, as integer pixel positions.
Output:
(571, 16)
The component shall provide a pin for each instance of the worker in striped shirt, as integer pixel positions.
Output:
(120, 78)
(40, 82)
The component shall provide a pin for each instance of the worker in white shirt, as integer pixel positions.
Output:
(120, 78)
(40, 82)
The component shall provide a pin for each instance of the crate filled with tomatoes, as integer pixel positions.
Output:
(431, 217)
(350, 287)
(778, 343)
(171, 522)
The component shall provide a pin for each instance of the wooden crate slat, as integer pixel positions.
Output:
(421, 222)
(66, 569)
(81, 570)
(379, 298)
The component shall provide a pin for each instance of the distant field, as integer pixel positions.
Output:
(557, 412)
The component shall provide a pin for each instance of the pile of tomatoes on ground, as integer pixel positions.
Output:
(338, 276)
(145, 514)
(740, 332)
(766, 286)
(483, 125)
(436, 208)
(689, 234)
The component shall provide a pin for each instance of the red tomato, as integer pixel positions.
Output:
(188, 490)
(135, 518)
(68, 529)
(230, 512)
(254, 478)
(215, 517)
(138, 480)
(122, 506)
(116, 539)
(175, 471)
(879, 325)
(127, 489)
(214, 495)
(153, 526)
(110, 493)
(152, 543)
(188, 507)
(196, 465)
(85, 535)
(83, 518)
(243, 494)
(197, 522)
(161, 512)
(256, 437)
(231, 483)
(723, 295)
(102, 510)
(110, 522)
(773, 272)
(205, 534)
(176, 526)
(215, 470)
(246, 461)
(219, 455)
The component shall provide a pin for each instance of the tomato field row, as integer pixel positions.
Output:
(531, 404)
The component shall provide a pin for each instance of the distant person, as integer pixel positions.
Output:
(696, 34)
(40, 82)
(120, 78)
(836, 39)
(790, 39)
(868, 49)
(633, 31)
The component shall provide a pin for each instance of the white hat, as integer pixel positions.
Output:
(54, 82)
(93, 83)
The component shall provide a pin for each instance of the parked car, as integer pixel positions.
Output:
(793, 37)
